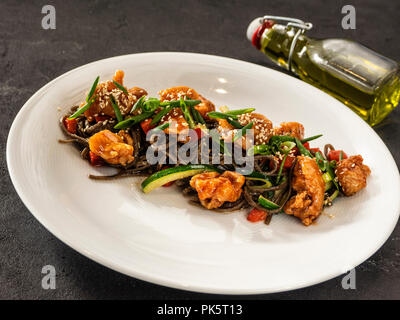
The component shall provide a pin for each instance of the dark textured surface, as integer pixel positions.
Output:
(91, 30)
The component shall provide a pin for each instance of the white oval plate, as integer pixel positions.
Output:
(159, 237)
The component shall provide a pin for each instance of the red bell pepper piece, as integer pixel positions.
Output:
(289, 161)
(70, 125)
(256, 215)
(198, 134)
(335, 155)
(146, 126)
(95, 160)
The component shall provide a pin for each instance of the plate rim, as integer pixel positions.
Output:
(153, 278)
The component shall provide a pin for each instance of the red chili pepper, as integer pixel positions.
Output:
(95, 160)
(259, 31)
(145, 124)
(335, 155)
(70, 125)
(256, 215)
(306, 145)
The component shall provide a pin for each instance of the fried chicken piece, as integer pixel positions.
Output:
(177, 123)
(102, 105)
(352, 174)
(175, 93)
(111, 147)
(214, 189)
(307, 181)
(293, 129)
(262, 127)
(126, 137)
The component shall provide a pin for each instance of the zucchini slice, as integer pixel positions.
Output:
(267, 203)
(171, 174)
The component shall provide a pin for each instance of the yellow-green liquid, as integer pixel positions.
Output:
(364, 81)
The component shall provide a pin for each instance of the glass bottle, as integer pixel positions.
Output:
(362, 79)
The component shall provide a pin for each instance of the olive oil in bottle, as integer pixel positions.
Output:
(362, 79)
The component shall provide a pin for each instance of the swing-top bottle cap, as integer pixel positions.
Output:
(252, 28)
(257, 27)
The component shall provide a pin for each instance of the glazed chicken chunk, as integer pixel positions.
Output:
(175, 93)
(352, 174)
(214, 189)
(175, 117)
(307, 181)
(102, 105)
(262, 127)
(113, 148)
(293, 129)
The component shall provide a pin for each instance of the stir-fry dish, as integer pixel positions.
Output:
(115, 126)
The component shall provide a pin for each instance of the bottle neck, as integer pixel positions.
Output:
(276, 43)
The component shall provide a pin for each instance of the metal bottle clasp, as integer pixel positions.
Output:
(291, 22)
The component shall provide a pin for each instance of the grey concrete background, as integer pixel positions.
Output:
(91, 30)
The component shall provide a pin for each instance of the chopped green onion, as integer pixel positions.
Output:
(161, 127)
(281, 168)
(234, 123)
(186, 113)
(194, 114)
(275, 139)
(287, 146)
(322, 163)
(303, 149)
(94, 85)
(157, 118)
(331, 172)
(127, 123)
(328, 185)
(176, 103)
(326, 177)
(192, 103)
(333, 196)
(138, 104)
(116, 108)
(239, 111)
(221, 115)
(215, 136)
(341, 155)
(259, 149)
(151, 104)
(83, 109)
(242, 131)
(197, 115)
(121, 87)
(311, 138)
